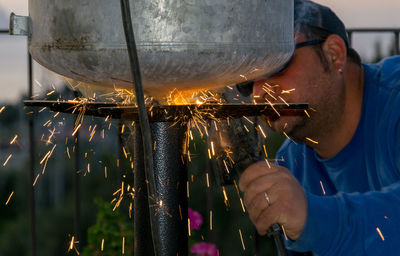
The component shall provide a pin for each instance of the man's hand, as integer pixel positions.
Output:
(273, 195)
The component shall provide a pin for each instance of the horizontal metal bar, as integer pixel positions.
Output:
(172, 113)
(373, 30)
(4, 31)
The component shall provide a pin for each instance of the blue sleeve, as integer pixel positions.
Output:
(352, 224)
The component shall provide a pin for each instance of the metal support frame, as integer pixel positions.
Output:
(32, 207)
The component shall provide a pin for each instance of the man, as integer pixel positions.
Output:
(337, 189)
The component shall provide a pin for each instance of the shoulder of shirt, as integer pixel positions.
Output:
(386, 72)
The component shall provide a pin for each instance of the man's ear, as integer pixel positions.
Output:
(335, 51)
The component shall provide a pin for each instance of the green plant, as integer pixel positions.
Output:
(111, 227)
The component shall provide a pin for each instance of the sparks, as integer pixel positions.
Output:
(268, 91)
(36, 179)
(267, 162)
(322, 186)
(225, 196)
(188, 223)
(284, 233)
(187, 189)
(14, 139)
(313, 141)
(305, 111)
(46, 158)
(287, 136)
(212, 148)
(123, 245)
(125, 154)
(287, 104)
(92, 133)
(287, 91)
(244, 77)
(208, 180)
(242, 204)
(8, 158)
(2, 109)
(211, 220)
(71, 244)
(248, 120)
(50, 93)
(9, 198)
(209, 154)
(262, 131)
(76, 129)
(241, 239)
(69, 156)
(226, 166)
(380, 234)
(265, 151)
(102, 244)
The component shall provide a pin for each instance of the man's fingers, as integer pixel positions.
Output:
(253, 172)
(259, 204)
(263, 184)
(266, 218)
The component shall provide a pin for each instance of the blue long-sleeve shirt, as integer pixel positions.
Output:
(354, 197)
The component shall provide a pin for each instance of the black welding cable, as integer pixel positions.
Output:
(143, 118)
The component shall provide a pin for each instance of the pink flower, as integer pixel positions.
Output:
(204, 249)
(196, 220)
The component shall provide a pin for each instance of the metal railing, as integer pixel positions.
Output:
(351, 32)
(394, 31)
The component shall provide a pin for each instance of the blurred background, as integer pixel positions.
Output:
(104, 164)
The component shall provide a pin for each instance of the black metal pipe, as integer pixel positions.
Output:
(171, 202)
(143, 244)
(4, 31)
(31, 123)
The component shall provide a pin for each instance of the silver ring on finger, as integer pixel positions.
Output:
(267, 199)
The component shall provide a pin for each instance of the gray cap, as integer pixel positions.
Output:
(315, 15)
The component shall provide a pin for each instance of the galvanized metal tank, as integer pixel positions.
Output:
(183, 44)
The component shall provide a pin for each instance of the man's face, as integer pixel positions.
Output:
(305, 80)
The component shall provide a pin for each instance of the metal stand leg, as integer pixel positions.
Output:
(170, 168)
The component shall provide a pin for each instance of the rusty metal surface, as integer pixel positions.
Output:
(170, 113)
